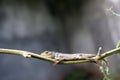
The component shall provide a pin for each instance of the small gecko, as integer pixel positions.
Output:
(65, 57)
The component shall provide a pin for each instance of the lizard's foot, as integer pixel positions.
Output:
(57, 62)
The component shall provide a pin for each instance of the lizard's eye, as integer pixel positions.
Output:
(48, 53)
(45, 53)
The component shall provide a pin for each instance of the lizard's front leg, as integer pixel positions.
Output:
(59, 58)
(58, 61)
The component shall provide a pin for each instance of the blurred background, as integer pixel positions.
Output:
(68, 26)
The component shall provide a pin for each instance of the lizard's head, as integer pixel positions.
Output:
(47, 54)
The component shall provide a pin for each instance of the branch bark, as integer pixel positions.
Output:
(28, 54)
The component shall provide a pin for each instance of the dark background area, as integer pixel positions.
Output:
(69, 26)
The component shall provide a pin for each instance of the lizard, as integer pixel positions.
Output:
(65, 57)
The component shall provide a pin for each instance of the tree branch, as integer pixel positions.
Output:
(27, 54)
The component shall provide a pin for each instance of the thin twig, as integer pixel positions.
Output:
(27, 54)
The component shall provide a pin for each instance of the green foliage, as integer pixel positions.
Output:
(104, 69)
(118, 44)
(113, 12)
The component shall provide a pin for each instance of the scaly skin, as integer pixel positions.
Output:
(63, 57)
